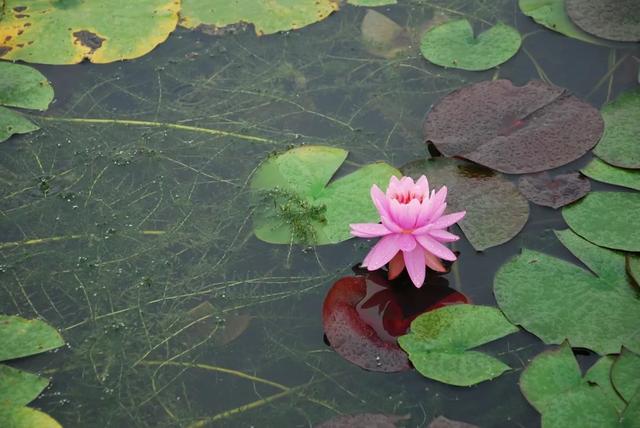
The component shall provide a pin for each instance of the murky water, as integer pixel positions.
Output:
(120, 230)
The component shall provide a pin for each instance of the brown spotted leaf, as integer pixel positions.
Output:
(363, 420)
(442, 422)
(513, 129)
(554, 192)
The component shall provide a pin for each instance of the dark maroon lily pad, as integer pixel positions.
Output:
(364, 420)
(555, 192)
(513, 129)
(610, 19)
(363, 315)
(442, 422)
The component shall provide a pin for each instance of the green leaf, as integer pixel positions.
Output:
(439, 341)
(625, 374)
(21, 338)
(452, 44)
(557, 300)
(69, 31)
(608, 219)
(14, 123)
(600, 374)
(372, 3)
(295, 204)
(631, 415)
(602, 171)
(19, 388)
(553, 384)
(24, 87)
(552, 14)
(619, 144)
(267, 16)
(633, 267)
(496, 211)
(25, 417)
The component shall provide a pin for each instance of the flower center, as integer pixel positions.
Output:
(405, 198)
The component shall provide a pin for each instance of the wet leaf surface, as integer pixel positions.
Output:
(363, 315)
(554, 385)
(552, 14)
(21, 337)
(439, 343)
(296, 203)
(602, 171)
(364, 420)
(496, 211)
(267, 16)
(513, 129)
(557, 300)
(610, 19)
(382, 36)
(608, 219)
(554, 192)
(442, 422)
(67, 32)
(452, 44)
(619, 145)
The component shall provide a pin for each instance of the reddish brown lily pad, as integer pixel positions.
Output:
(363, 315)
(364, 420)
(442, 422)
(554, 192)
(514, 129)
(610, 19)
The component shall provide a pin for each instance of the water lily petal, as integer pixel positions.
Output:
(380, 200)
(436, 248)
(406, 242)
(382, 252)
(403, 214)
(422, 186)
(443, 236)
(396, 265)
(390, 224)
(449, 219)
(415, 262)
(368, 230)
(433, 262)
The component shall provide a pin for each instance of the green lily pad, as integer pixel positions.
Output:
(602, 171)
(25, 417)
(295, 204)
(600, 374)
(557, 300)
(552, 14)
(69, 31)
(267, 16)
(14, 123)
(19, 388)
(439, 341)
(21, 337)
(554, 385)
(619, 144)
(633, 267)
(452, 44)
(625, 374)
(609, 219)
(496, 211)
(610, 19)
(372, 3)
(24, 87)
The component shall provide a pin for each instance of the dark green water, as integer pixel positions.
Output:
(140, 224)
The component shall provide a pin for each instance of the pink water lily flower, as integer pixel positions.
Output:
(413, 229)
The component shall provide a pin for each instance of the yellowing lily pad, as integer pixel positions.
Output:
(608, 219)
(620, 145)
(602, 171)
(557, 300)
(295, 203)
(22, 338)
(452, 44)
(496, 211)
(267, 16)
(439, 343)
(25, 417)
(552, 14)
(69, 31)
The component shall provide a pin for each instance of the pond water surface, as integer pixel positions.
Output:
(142, 224)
